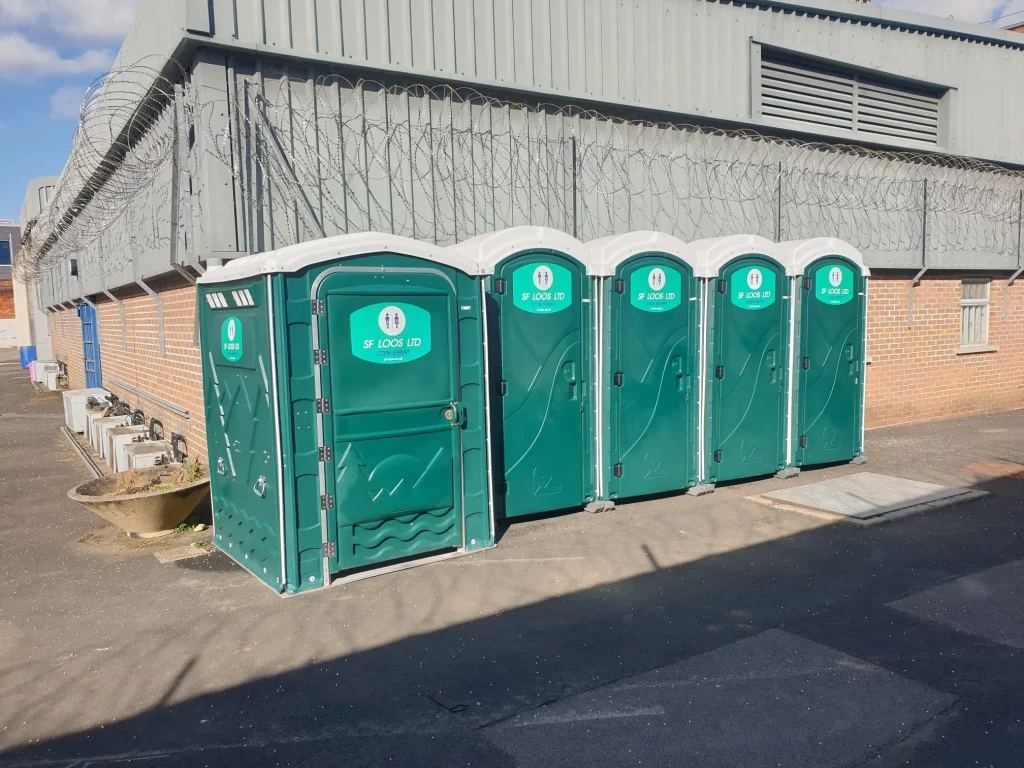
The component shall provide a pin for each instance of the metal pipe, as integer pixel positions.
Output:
(93, 468)
(910, 296)
(159, 401)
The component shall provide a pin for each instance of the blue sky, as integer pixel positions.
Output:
(51, 50)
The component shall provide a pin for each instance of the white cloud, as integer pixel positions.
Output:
(66, 103)
(22, 58)
(962, 10)
(73, 19)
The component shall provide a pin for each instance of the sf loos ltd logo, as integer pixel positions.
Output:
(231, 343)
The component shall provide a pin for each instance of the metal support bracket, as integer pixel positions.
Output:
(124, 323)
(159, 315)
(88, 303)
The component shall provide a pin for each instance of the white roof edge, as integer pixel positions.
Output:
(714, 253)
(607, 253)
(295, 258)
(802, 253)
(489, 249)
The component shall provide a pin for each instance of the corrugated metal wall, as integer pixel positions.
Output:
(292, 152)
(685, 56)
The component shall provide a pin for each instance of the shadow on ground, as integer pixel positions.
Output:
(453, 697)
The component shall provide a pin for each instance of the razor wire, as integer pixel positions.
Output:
(312, 157)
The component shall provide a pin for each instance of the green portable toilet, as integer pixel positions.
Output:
(648, 364)
(828, 353)
(540, 336)
(745, 358)
(345, 416)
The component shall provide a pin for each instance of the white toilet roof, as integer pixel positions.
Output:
(297, 257)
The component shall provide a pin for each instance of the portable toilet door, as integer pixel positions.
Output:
(746, 338)
(649, 327)
(830, 290)
(539, 335)
(371, 346)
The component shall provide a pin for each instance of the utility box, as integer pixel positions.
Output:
(540, 367)
(344, 390)
(828, 365)
(649, 365)
(746, 359)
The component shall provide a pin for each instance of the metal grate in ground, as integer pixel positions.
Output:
(867, 497)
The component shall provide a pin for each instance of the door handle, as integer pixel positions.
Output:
(719, 372)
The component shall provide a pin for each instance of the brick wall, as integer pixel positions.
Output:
(175, 377)
(6, 300)
(916, 374)
(66, 340)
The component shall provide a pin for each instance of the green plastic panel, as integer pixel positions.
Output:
(651, 365)
(747, 376)
(830, 370)
(391, 382)
(375, 516)
(240, 433)
(540, 343)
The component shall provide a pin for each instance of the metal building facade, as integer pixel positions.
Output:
(299, 118)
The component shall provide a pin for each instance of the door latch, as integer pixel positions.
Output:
(260, 487)
(618, 379)
(499, 285)
(805, 363)
(452, 415)
(221, 468)
(719, 372)
(718, 456)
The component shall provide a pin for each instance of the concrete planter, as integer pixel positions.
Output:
(147, 514)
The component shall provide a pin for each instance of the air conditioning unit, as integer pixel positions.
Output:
(50, 380)
(147, 455)
(75, 406)
(101, 426)
(41, 367)
(118, 440)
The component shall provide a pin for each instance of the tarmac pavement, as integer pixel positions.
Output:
(709, 631)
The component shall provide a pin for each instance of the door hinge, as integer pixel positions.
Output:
(805, 363)
(326, 502)
(718, 456)
(323, 405)
(719, 372)
(618, 379)
(499, 285)
(324, 452)
(617, 470)
(803, 441)
(504, 388)
(319, 357)
(330, 549)
(807, 283)
(317, 306)
(721, 286)
(620, 286)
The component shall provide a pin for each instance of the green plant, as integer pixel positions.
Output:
(131, 482)
(184, 527)
(192, 471)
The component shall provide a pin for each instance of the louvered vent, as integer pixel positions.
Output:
(801, 92)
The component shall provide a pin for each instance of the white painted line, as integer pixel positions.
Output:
(572, 716)
(520, 560)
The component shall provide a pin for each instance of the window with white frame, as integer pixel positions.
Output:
(974, 312)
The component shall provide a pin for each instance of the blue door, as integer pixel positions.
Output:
(91, 346)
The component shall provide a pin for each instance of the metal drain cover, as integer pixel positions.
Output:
(866, 495)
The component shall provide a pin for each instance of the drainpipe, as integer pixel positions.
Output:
(924, 260)
(1020, 268)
